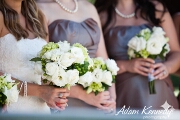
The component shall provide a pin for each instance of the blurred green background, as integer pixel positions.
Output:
(92, 1)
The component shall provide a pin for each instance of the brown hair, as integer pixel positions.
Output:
(33, 16)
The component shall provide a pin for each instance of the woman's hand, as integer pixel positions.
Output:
(54, 97)
(98, 100)
(111, 106)
(161, 71)
(140, 65)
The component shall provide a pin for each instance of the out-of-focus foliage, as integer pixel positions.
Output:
(92, 1)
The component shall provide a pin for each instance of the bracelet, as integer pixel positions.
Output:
(21, 87)
(25, 89)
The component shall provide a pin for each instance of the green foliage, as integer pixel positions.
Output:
(2, 99)
(82, 68)
(92, 1)
(36, 59)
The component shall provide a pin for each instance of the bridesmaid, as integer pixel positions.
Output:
(77, 21)
(122, 20)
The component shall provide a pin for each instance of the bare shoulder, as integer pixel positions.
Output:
(158, 5)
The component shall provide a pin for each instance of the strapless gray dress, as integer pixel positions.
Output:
(86, 32)
(132, 89)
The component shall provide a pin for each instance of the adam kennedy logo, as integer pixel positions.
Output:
(147, 112)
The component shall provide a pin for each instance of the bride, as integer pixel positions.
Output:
(22, 35)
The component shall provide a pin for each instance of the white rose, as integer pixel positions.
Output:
(112, 66)
(147, 30)
(8, 78)
(97, 75)
(163, 40)
(86, 79)
(66, 60)
(51, 68)
(47, 55)
(72, 77)
(167, 48)
(12, 94)
(107, 78)
(38, 68)
(101, 60)
(60, 79)
(78, 54)
(158, 31)
(131, 53)
(46, 77)
(55, 56)
(91, 63)
(64, 46)
(154, 46)
(137, 43)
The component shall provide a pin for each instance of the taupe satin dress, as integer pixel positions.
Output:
(86, 32)
(132, 89)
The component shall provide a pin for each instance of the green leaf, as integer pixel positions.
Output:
(106, 86)
(36, 59)
(96, 93)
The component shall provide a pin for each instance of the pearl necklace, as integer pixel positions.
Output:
(124, 16)
(68, 10)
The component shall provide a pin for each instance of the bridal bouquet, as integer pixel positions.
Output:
(62, 64)
(8, 90)
(149, 44)
(100, 76)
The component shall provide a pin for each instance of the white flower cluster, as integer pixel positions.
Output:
(55, 62)
(148, 43)
(102, 72)
(8, 90)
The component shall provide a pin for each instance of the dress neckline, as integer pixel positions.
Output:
(119, 27)
(10, 34)
(60, 20)
(129, 26)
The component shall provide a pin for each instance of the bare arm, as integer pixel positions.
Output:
(172, 64)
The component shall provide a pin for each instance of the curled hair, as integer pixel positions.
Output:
(33, 17)
(146, 7)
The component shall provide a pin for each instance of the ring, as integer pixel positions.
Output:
(60, 95)
(164, 72)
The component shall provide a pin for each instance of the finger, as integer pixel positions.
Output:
(61, 105)
(61, 90)
(158, 71)
(61, 100)
(101, 107)
(107, 102)
(106, 97)
(62, 95)
(148, 60)
(144, 69)
(106, 93)
(158, 76)
(142, 73)
(157, 65)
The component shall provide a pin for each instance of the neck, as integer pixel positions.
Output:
(126, 5)
(15, 5)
